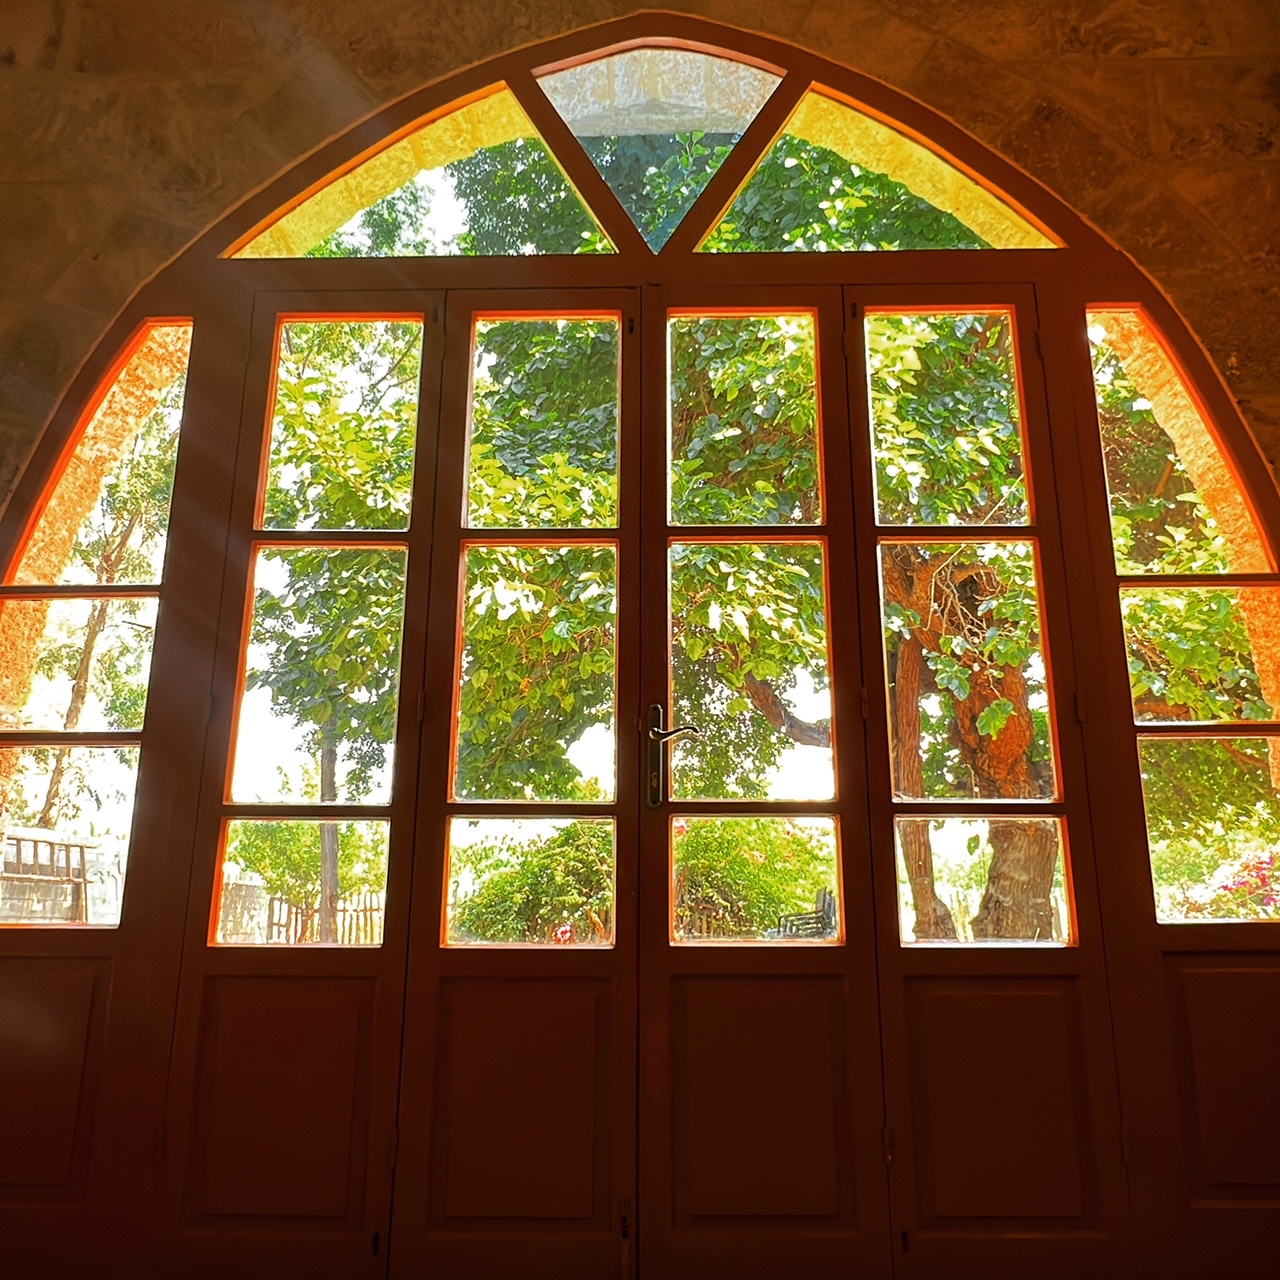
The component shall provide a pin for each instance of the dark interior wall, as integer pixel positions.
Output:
(127, 127)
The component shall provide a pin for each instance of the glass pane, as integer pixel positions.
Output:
(754, 880)
(297, 883)
(318, 714)
(1201, 653)
(968, 705)
(984, 880)
(108, 516)
(743, 428)
(75, 664)
(838, 180)
(343, 426)
(1213, 827)
(65, 818)
(657, 124)
(544, 424)
(1175, 505)
(944, 417)
(477, 181)
(537, 688)
(531, 882)
(749, 668)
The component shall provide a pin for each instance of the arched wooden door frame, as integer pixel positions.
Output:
(109, 1205)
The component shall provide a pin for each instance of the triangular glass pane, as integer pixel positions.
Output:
(838, 180)
(476, 182)
(657, 124)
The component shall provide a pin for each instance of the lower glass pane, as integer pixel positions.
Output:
(984, 880)
(65, 818)
(1213, 827)
(540, 882)
(754, 880)
(297, 883)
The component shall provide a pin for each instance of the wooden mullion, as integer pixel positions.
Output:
(585, 178)
(738, 166)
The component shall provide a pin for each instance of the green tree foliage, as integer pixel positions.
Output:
(809, 198)
(968, 699)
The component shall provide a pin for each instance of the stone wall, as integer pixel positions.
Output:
(127, 127)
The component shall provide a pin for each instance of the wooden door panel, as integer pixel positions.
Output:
(521, 1126)
(760, 1109)
(51, 1022)
(999, 1103)
(1226, 1011)
(281, 1116)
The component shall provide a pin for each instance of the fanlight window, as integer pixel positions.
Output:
(652, 150)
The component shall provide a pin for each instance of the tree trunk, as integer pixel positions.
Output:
(329, 888)
(1017, 903)
(71, 721)
(933, 919)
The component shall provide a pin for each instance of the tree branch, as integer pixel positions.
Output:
(766, 700)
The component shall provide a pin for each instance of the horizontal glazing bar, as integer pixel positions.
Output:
(957, 533)
(537, 538)
(47, 738)
(953, 806)
(746, 533)
(1211, 729)
(375, 539)
(1199, 580)
(316, 812)
(74, 591)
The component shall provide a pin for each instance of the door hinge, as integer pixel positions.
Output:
(393, 1148)
(906, 1243)
(866, 703)
(887, 1137)
(631, 324)
(1039, 345)
(1080, 706)
(422, 704)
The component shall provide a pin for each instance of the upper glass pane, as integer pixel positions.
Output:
(838, 180)
(743, 425)
(343, 425)
(946, 430)
(657, 124)
(478, 181)
(968, 702)
(544, 424)
(1176, 507)
(107, 518)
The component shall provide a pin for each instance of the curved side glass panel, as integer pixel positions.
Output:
(77, 618)
(657, 124)
(838, 180)
(477, 182)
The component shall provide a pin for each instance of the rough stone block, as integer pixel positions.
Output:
(1242, 202)
(978, 94)
(1062, 149)
(1226, 109)
(1138, 28)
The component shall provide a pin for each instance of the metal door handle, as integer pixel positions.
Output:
(658, 738)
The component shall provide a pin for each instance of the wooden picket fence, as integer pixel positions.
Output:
(360, 919)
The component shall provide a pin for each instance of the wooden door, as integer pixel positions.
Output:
(517, 1113)
(761, 1102)
(1003, 1127)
